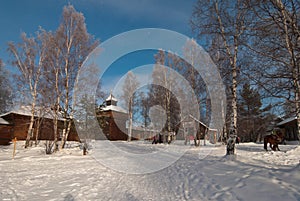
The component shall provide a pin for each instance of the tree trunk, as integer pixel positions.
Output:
(297, 105)
(63, 139)
(130, 127)
(231, 145)
(233, 62)
(68, 132)
(37, 132)
(55, 125)
(169, 116)
(56, 110)
(130, 119)
(30, 129)
(55, 132)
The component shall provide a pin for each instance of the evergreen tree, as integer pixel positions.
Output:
(250, 101)
(251, 120)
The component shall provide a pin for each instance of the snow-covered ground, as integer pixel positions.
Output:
(200, 174)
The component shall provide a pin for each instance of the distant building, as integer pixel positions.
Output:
(112, 119)
(290, 128)
(16, 123)
(191, 126)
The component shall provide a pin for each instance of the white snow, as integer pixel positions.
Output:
(2, 121)
(26, 111)
(111, 97)
(200, 174)
(114, 108)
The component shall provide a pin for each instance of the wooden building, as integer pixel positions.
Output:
(289, 127)
(17, 124)
(5, 132)
(191, 127)
(112, 119)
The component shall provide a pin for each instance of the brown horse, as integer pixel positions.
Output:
(273, 140)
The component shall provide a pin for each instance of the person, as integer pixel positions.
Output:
(237, 140)
(160, 139)
(154, 140)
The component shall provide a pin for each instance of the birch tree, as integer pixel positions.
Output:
(129, 88)
(161, 93)
(227, 22)
(29, 56)
(53, 88)
(194, 78)
(74, 44)
(276, 45)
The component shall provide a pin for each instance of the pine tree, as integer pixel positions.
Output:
(250, 119)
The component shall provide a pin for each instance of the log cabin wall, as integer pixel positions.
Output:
(6, 134)
(19, 126)
(114, 125)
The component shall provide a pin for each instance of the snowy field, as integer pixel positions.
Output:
(200, 174)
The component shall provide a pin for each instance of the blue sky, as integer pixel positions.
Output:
(104, 19)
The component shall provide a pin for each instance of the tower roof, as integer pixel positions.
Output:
(111, 104)
(111, 98)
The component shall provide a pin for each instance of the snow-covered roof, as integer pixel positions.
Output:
(111, 97)
(187, 121)
(26, 111)
(286, 121)
(114, 108)
(2, 121)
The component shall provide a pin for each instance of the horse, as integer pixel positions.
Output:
(273, 140)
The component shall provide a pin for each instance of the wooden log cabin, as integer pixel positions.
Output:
(289, 128)
(16, 124)
(112, 120)
(5, 131)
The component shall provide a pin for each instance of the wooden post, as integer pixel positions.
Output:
(14, 150)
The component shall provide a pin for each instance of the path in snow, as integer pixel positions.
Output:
(254, 175)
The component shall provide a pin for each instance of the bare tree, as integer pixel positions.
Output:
(129, 88)
(74, 44)
(144, 104)
(53, 88)
(5, 90)
(225, 21)
(191, 53)
(162, 93)
(276, 46)
(29, 57)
